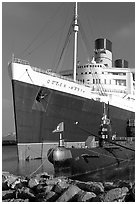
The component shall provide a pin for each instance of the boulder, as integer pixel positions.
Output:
(25, 193)
(39, 189)
(19, 183)
(42, 178)
(86, 196)
(5, 186)
(48, 188)
(44, 175)
(130, 197)
(116, 194)
(60, 187)
(96, 187)
(41, 197)
(51, 196)
(4, 182)
(54, 181)
(47, 197)
(11, 179)
(8, 194)
(33, 182)
(16, 200)
(109, 185)
(69, 194)
(121, 184)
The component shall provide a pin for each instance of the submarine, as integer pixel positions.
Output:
(104, 155)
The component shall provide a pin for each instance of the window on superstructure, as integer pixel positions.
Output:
(99, 81)
(121, 82)
(104, 81)
(93, 81)
(96, 81)
(85, 72)
(89, 72)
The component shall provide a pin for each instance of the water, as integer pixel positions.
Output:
(11, 164)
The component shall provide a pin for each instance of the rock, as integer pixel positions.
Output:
(69, 194)
(4, 183)
(33, 182)
(25, 193)
(86, 196)
(96, 187)
(51, 196)
(44, 175)
(109, 185)
(16, 200)
(116, 194)
(54, 181)
(9, 194)
(11, 179)
(96, 199)
(39, 189)
(47, 197)
(42, 178)
(130, 197)
(5, 186)
(48, 188)
(121, 184)
(19, 183)
(60, 187)
(41, 197)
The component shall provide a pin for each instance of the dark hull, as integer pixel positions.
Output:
(97, 164)
(36, 118)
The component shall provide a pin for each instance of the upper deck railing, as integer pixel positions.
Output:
(49, 72)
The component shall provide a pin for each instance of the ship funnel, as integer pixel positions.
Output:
(103, 51)
(121, 63)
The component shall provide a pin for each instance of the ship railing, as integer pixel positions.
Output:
(48, 72)
(93, 89)
(20, 61)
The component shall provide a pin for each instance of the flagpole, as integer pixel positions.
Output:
(61, 141)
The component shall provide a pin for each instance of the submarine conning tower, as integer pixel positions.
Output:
(103, 51)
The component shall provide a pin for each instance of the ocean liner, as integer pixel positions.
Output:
(42, 99)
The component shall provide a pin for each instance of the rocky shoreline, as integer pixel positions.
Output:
(46, 188)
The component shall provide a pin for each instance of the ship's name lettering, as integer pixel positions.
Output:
(75, 88)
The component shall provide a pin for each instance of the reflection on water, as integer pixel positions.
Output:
(125, 172)
(11, 164)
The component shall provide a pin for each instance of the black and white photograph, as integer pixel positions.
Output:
(68, 101)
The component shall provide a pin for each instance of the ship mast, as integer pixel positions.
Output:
(76, 28)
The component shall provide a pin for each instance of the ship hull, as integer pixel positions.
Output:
(95, 163)
(36, 117)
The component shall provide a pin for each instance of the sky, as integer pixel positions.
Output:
(36, 32)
